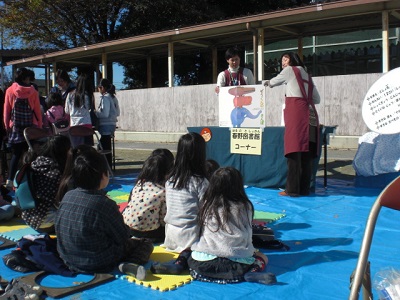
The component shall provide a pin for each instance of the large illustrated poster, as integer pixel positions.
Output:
(242, 106)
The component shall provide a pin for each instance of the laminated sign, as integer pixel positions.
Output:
(246, 140)
(381, 106)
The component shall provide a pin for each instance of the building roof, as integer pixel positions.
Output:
(311, 20)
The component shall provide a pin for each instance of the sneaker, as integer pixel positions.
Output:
(262, 232)
(260, 277)
(166, 268)
(17, 289)
(270, 244)
(131, 269)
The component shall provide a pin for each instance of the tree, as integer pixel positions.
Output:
(61, 24)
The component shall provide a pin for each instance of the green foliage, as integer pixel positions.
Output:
(61, 24)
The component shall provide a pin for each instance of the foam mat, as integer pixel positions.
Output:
(15, 229)
(267, 216)
(13, 224)
(16, 235)
(118, 196)
(160, 282)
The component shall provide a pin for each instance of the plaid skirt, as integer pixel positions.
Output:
(218, 270)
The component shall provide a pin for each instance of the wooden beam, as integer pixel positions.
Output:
(385, 41)
(170, 64)
(260, 56)
(287, 29)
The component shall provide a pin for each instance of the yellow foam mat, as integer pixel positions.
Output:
(13, 224)
(161, 282)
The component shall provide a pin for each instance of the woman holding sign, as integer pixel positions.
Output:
(301, 123)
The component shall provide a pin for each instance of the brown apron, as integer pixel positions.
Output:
(297, 118)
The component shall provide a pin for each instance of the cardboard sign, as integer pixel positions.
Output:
(381, 106)
(246, 140)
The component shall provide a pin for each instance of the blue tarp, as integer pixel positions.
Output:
(324, 232)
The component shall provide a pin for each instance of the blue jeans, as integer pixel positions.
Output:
(106, 129)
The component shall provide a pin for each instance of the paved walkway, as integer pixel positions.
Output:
(131, 155)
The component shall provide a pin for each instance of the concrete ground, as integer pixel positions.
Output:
(131, 155)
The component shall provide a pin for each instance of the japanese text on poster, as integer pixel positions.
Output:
(381, 106)
(246, 140)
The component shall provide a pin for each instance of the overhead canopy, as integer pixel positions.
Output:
(311, 20)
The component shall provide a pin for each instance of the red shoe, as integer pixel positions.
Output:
(285, 194)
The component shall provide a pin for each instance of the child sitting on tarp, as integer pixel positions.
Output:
(47, 168)
(184, 189)
(91, 233)
(146, 207)
(224, 252)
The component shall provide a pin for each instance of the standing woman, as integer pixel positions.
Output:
(64, 84)
(78, 107)
(301, 123)
(107, 113)
(15, 122)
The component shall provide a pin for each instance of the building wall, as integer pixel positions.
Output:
(172, 110)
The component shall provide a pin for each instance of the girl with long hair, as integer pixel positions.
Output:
(224, 252)
(78, 106)
(184, 189)
(146, 207)
(48, 167)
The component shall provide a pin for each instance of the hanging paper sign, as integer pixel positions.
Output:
(242, 106)
(246, 140)
(381, 106)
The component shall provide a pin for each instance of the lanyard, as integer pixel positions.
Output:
(234, 81)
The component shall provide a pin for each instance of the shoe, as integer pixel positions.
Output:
(260, 277)
(16, 260)
(286, 194)
(166, 268)
(17, 289)
(270, 244)
(131, 269)
(262, 232)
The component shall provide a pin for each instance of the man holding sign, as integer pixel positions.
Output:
(234, 75)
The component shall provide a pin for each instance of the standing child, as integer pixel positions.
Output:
(184, 189)
(224, 253)
(91, 233)
(146, 207)
(55, 112)
(107, 113)
(77, 105)
(21, 110)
